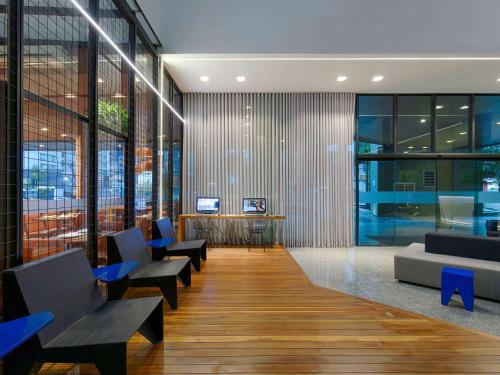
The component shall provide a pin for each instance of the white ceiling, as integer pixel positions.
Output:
(318, 73)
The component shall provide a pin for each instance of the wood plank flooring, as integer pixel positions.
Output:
(257, 313)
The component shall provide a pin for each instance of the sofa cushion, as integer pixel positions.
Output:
(475, 247)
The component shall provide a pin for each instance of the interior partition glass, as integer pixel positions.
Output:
(487, 116)
(113, 122)
(453, 123)
(55, 128)
(414, 124)
(376, 124)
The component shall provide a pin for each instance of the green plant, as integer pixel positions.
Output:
(112, 115)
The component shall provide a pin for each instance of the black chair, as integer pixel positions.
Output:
(195, 250)
(130, 245)
(492, 228)
(86, 329)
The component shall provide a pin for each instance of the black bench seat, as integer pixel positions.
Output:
(196, 250)
(86, 329)
(130, 245)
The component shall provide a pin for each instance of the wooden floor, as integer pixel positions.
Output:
(255, 312)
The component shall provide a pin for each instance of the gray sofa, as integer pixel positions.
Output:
(422, 263)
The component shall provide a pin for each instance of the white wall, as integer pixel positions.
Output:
(326, 26)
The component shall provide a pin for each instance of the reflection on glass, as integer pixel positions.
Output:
(402, 200)
(487, 113)
(453, 123)
(376, 124)
(414, 124)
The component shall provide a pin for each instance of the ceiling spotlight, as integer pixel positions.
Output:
(405, 152)
(410, 147)
(377, 78)
(450, 141)
(44, 129)
(439, 106)
(424, 147)
(204, 78)
(341, 78)
(462, 133)
(241, 78)
(464, 107)
(423, 120)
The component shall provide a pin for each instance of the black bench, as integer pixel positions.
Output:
(475, 247)
(195, 250)
(130, 245)
(86, 329)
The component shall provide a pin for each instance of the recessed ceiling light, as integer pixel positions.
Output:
(405, 152)
(423, 120)
(341, 78)
(439, 106)
(377, 78)
(411, 147)
(204, 78)
(424, 147)
(44, 129)
(241, 78)
(464, 107)
(462, 133)
(100, 80)
(450, 141)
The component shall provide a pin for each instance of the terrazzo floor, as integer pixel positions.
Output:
(368, 272)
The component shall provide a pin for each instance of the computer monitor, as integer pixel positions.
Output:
(254, 205)
(207, 205)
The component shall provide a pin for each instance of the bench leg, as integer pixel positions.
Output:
(113, 360)
(169, 289)
(117, 289)
(152, 328)
(204, 252)
(185, 275)
(19, 362)
(195, 259)
(467, 295)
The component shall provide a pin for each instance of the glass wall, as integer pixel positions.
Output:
(55, 128)
(401, 196)
(144, 98)
(86, 156)
(170, 156)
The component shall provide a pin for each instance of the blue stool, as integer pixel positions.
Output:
(456, 278)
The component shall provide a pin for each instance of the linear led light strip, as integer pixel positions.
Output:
(124, 56)
(174, 58)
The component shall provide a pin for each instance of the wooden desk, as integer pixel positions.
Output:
(182, 219)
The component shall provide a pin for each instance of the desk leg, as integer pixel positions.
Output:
(180, 229)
